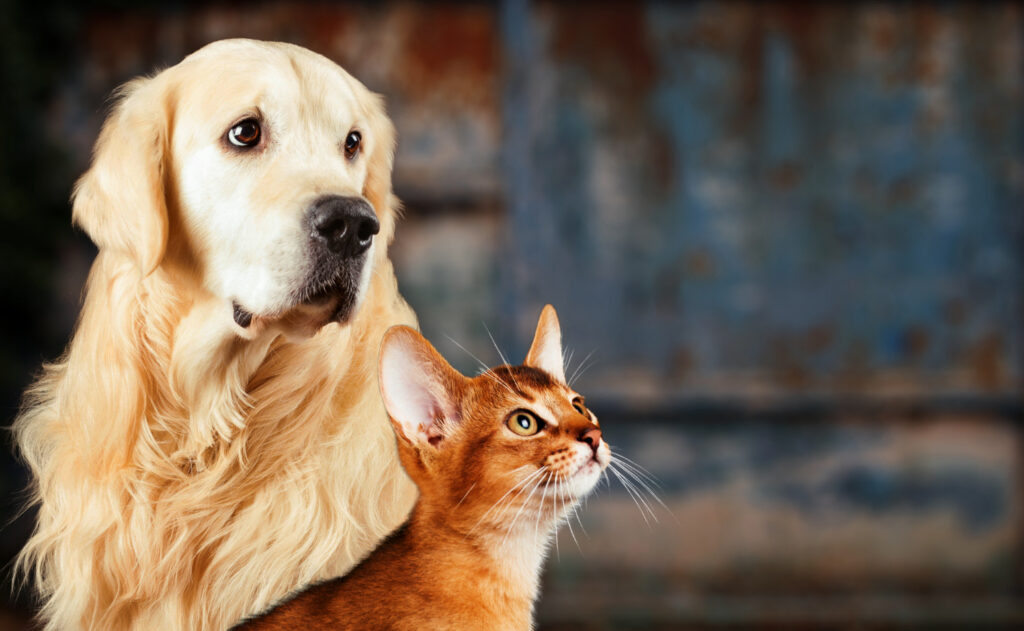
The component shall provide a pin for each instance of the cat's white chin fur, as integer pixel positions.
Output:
(584, 477)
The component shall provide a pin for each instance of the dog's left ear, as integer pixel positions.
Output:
(120, 201)
(377, 188)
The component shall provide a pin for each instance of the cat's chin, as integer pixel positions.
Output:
(583, 481)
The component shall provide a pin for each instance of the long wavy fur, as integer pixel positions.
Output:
(186, 477)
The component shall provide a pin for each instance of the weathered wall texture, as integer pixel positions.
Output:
(769, 223)
(777, 200)
(849, 521)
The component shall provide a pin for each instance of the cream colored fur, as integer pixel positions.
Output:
(188, 471)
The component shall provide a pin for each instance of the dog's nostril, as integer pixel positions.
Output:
(345, 225)
(331, 227)
(368, 226)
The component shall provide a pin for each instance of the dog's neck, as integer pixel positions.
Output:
(215, 371)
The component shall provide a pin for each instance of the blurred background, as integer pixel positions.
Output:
(786, 243)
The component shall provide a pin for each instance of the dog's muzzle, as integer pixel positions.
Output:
(340, 232)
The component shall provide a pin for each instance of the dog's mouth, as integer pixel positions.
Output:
(242, 317)
(321, 300)
(336, 299)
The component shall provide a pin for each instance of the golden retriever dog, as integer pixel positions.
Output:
(213, 437)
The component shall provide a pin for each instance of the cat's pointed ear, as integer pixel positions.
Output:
(421, 390)
(546, 350)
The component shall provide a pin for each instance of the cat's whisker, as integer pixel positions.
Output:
(582, 371)
(632, 495)
(526, 503)
(466, 495)
(576, 374)
(638, 475)
(570, 372)
(642, 476)
(631, 472)
(650, 492)
(484, 368)
(517, 469)
(468, 352)
(626, 475)
(540, 511)
(522, 484)
(501, 355)
(568, 367)
(496, 504)
(576, 514)
(554, 509)
(494, 377)
(639, 469)
(626, 480)
(558, 518)
(568, 520)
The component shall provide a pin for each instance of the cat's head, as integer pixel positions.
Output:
(514, 444)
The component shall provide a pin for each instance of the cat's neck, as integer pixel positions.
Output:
(520, 558)
(511, 559)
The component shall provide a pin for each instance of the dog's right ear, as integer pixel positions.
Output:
(120, 201)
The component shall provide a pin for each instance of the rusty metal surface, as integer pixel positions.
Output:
(769, 199)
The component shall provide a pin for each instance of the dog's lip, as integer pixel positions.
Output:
(327, 303)
(242, 317)
(331, 290)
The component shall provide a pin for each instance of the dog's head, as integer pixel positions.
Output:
(261, 170)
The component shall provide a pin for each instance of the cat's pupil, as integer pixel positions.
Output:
(524, 421)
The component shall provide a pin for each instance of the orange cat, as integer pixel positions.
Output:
(499, 460)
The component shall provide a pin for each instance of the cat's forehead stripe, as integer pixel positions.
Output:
(533, 385)
(522, 379)
(546, 413)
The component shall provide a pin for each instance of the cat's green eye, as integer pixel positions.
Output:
(523, 423)
(577, 404)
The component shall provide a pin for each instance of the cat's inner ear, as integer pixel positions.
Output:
(546, 350)
(420, 388)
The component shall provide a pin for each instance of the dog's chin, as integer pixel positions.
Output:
(305, 320)
(337, 302)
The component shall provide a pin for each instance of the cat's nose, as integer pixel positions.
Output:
(592, 437)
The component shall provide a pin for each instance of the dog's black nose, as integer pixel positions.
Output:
(346, 225)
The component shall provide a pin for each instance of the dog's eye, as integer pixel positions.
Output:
(352, 142)
(245, 133)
